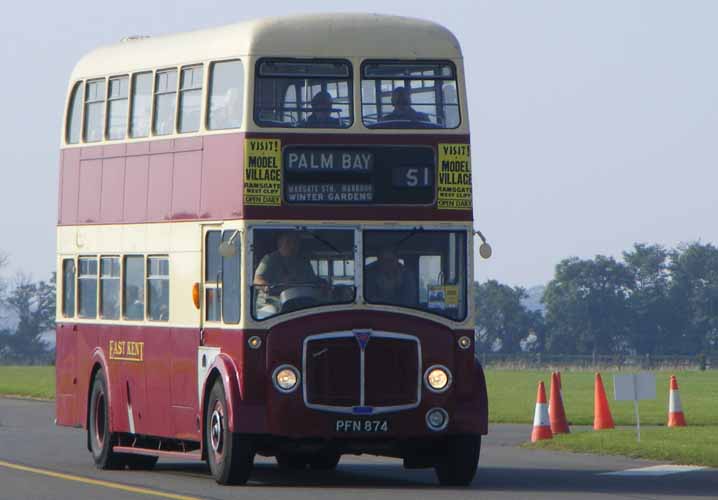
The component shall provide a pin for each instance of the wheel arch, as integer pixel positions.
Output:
(98, 364)
(224, 370)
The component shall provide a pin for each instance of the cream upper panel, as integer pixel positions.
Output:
(321, 35)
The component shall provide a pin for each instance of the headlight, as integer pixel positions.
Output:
(437, 378)
(285, 378)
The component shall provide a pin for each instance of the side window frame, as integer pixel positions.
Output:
(133, 95)
(156, 94)
(77, 92)
(182, 90)
(109, 99)
(235, 237)
(123, 286)
(79, 283)
(212, 280)
(209, 95)
(73, 283)
(111, 277)
(148, 294)
(86, 105)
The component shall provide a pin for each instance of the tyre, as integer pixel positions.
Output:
(324, 461)
(230, 456)
(98, 429)
(458, 466)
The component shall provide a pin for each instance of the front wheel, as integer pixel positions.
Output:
(230, 456)
(458, 466)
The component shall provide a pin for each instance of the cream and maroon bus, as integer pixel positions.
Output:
(265, 247)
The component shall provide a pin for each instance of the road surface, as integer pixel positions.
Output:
(41, 461)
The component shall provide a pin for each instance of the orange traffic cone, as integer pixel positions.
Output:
(556, 412)
(602, 418)
(542, 426)
(675, 409)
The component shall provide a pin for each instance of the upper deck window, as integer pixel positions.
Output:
(225, 95)
(94, 110)
(190, 99)
(74, 115)
(117, 108)
(165, 101)
(141, 104)
(412, 94)
(303, 94)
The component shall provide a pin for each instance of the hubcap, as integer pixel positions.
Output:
(216, 429)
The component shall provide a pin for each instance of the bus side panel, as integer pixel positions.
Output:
(66, 376)
(183, 383)
(157, 362)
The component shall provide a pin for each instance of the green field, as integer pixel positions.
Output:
(686, 445)
(512, 394)
(512, 397)
(28, 381)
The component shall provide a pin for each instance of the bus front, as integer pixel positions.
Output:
(358, 265)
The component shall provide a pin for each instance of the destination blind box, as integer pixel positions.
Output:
(355, 176)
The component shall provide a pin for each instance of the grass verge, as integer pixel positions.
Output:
(686, 446)
(28, 381)
(512, 397)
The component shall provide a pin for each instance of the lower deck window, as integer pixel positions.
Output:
(68, 288)
(158, 284)
(88, 287)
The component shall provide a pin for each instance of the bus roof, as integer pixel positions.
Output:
(316, 36)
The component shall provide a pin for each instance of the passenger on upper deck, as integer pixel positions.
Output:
(285, 266)
(321, 111)
(388, 281)
(401, 100)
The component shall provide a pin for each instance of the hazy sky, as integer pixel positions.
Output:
(594, 124)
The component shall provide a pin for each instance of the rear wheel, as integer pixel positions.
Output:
(98, 429)
(230, 456)
(458, 466)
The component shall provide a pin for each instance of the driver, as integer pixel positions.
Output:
(389, 282)
(285, 266)
(401, 100)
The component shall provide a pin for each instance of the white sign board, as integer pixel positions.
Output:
(634, 386)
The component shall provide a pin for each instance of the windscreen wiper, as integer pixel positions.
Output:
(320, 239)
(413, 233)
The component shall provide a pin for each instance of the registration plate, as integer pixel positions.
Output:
(363, 425)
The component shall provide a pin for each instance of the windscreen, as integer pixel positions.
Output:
(300, 269)
(418, 269)
(303, 94)
(409, 95)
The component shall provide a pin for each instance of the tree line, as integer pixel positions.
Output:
(654, 301)
(27, 313)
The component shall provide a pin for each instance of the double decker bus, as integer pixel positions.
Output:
(265, 247)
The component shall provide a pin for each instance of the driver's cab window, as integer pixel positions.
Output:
(301, 268)
(409, 94)
(303, 93)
